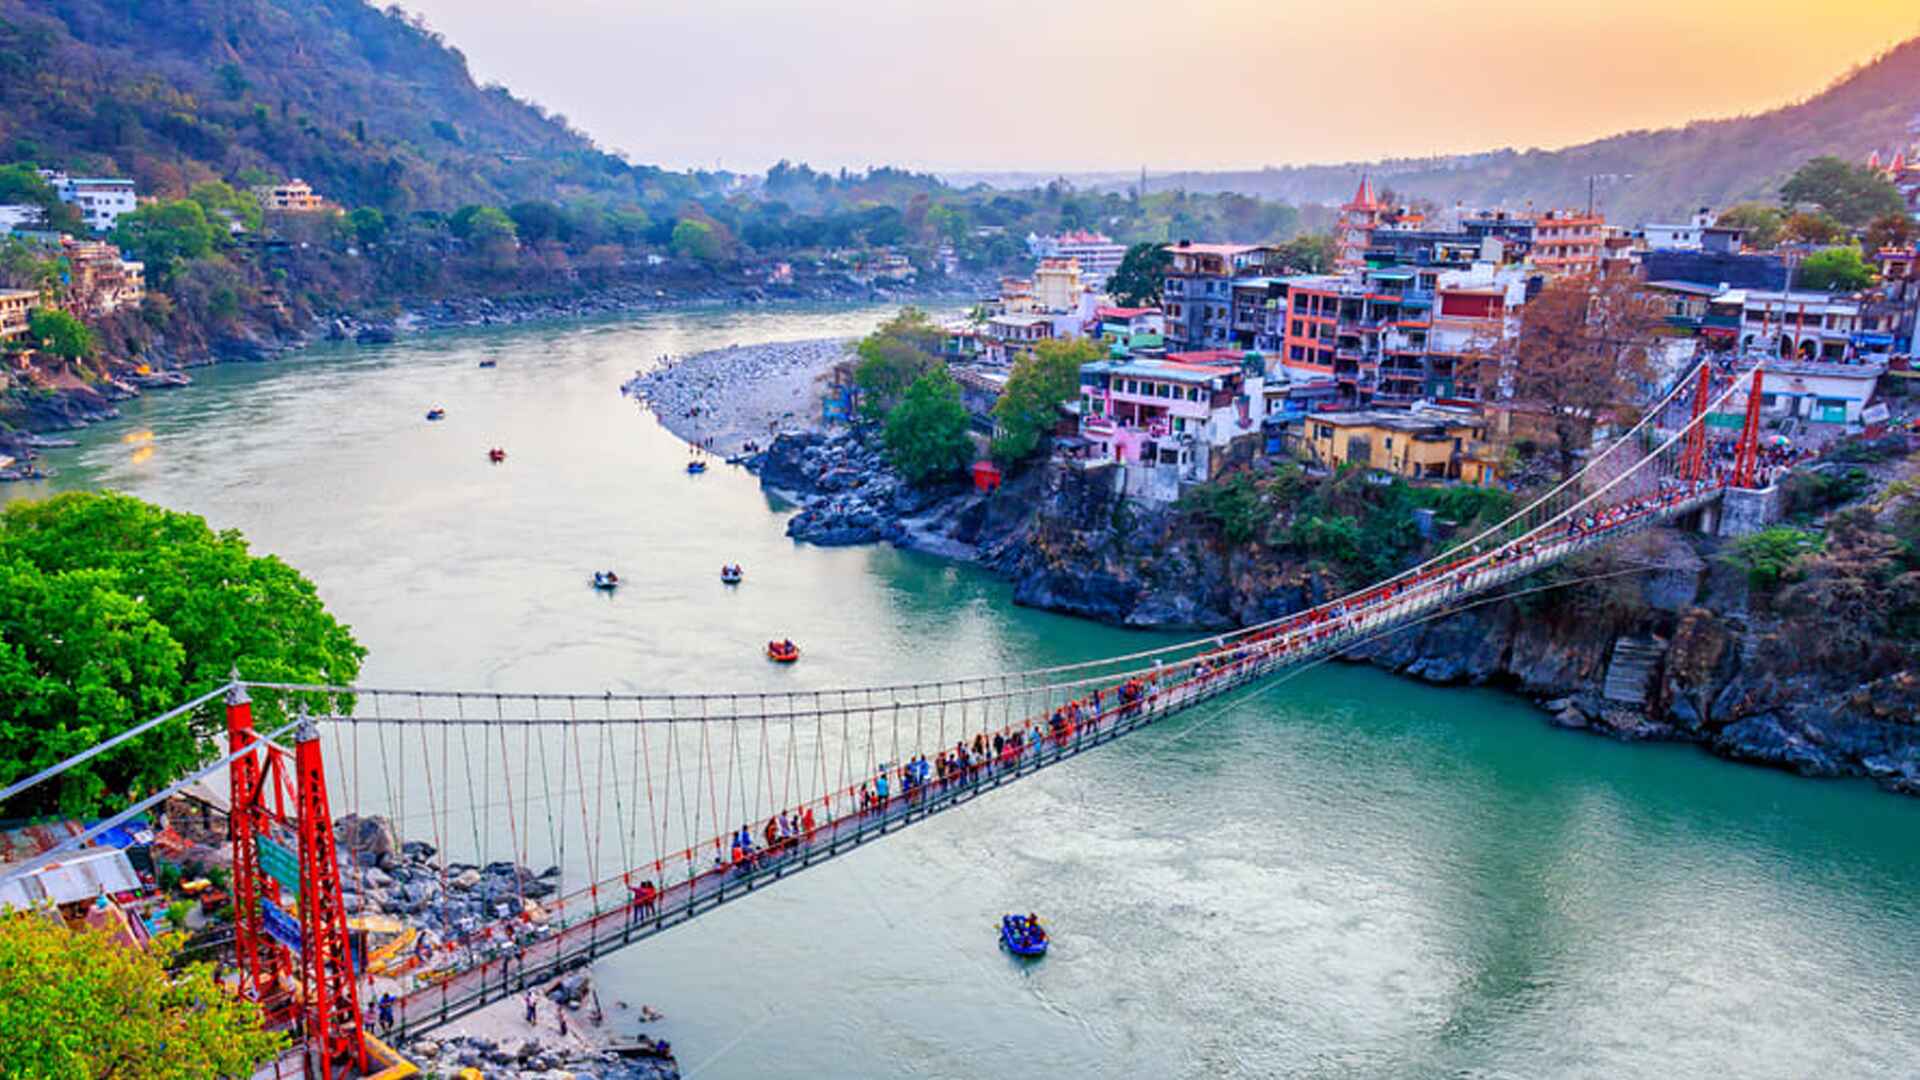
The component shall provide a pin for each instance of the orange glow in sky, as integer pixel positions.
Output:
(1113, 84)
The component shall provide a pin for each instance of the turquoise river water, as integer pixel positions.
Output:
(1350, 875)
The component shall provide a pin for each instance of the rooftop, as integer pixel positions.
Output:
(1188, 247)
(1425, 420)
(1167, 370)
(1125, 312)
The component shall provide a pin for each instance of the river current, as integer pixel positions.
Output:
(1347, 875)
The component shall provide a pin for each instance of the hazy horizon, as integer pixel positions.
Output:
(998, 86)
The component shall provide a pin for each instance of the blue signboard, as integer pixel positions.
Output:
(279, 925)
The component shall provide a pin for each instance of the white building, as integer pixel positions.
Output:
(101, 200)
(1096, 253)
(1688, 237)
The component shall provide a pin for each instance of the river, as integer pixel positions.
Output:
(1348, 875)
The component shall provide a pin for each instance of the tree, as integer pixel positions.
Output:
(223, 200)
(1834, 269)
(21, 184)
(1760, 222)
(60, 334)
(1580, 359)
(1853, 194)
(698, 240)
(901, 350)
(1805, 228)
(81, 1004)
(113, 610)
(1042, 378)
(24, 266)
(165, 235)
(1890, 231)
(1310, 254)
(368, 224)
(1142, 273)
(926, 433)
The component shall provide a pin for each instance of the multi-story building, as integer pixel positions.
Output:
(1166, 421)
(1797, 325)
(16, 305)
(1007, 336)
(1197, 295)
(1354, 233)
(101, 200)
(1057, 285)
(1135, 329)
(1569, 241)
(293, 197)
(98, 280)
(1097, 254)
(19, 216)
(1691, 236)
(1425, 443)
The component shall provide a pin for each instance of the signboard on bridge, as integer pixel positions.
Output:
(278, 862)
(279, 925)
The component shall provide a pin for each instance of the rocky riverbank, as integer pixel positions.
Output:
(444, 906)
(1681, 649)
(726, 399)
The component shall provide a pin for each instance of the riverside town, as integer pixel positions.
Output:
(1421, 583)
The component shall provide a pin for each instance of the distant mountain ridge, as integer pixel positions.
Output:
(369, 106)
(1642, 175)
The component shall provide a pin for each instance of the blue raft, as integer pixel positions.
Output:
(1022, 938)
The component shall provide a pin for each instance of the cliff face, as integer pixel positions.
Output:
(1652, 639)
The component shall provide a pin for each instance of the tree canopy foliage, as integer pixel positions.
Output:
(166, 234)
(60, 334)
(1141, 275)
(1835, 269)
(79, 1004)
(1041, 379)
(896, 354)
(1760, 222)
(1852, 193)
(113, 610)
(926, 433)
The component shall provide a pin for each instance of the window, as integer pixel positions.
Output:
(1322, 431)
(1389, 442)
(1179, 423)
(1163, 390)
(1193, 393)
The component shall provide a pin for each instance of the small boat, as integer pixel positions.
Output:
(436, 414)
(731, 575)
(606, 579)
(696, 466)
(489, 363)
(1023, 937)
(782, 652)
(496, 455)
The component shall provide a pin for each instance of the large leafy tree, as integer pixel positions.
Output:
(1041, 379)
(165, 235)
(1759, 222)
(901, 350)
(1852, 193)
(1310, 254)
(60, 333)
(926, 433)
(1142, 274)
(1580, 359)
(1835, 269)
(80, 1004)
(113, 610)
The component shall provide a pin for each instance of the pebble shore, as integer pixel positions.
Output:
(725, 398)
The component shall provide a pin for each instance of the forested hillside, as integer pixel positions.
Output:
(1641, 175)
(369, 106)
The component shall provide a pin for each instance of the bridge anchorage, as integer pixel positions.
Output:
(653, 809)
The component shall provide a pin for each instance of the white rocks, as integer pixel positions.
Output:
(740, 394)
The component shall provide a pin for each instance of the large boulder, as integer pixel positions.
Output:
(372, 835)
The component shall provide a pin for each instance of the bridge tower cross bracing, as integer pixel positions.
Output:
(242, 825)
(332, 1005)
(1746, 456)
(1693, 463)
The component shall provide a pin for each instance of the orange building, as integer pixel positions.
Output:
(1569, 241)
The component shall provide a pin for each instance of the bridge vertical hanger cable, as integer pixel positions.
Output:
(588, 838)
(474, 814)
(517, 857)
(556, 838)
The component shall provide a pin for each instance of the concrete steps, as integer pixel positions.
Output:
(1630, 671)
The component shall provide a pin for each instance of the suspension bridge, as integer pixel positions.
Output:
(654, 809)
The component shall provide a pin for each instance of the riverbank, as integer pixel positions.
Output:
(727, 399)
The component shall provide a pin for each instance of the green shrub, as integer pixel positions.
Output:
(1767, 556)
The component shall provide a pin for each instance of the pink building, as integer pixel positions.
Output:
(1167, 415)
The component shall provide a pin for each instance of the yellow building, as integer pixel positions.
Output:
(1433, 443)
(294, 197)
(1057, 285)
(15, 306)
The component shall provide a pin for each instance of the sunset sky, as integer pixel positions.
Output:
(1114, 84)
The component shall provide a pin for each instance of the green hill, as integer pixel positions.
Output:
(1644, 175)
(369, 106)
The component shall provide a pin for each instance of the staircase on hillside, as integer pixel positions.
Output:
(1631, 669)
